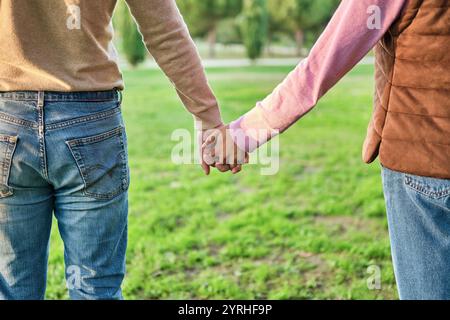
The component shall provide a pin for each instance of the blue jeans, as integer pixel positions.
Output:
(418, 210)
(63, 153)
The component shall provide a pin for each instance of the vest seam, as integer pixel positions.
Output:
(410, 114)
(420, 173)
(418, 115)
(439, 7)
(406, 113)
(382, 106)
(421, 60)
(380, 69)
(417, 141)
(421, 35)
(412, 18)
(411, 87)
(390, 90)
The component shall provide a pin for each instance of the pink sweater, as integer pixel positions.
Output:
(350, 35)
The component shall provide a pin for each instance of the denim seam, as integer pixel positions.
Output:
(91, 118)
(79, 163)
(125, 174)
(6, 165)
(425, 190)
(95, 138)
(41, 136)
(11, 150)
(14, 120)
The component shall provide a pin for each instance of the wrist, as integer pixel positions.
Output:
(209, 119)
(242, 140)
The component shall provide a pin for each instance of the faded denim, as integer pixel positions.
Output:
(418, 210)
(63, 154)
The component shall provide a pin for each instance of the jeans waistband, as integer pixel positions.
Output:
(86, 96)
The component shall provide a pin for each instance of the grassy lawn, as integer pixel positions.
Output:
(308, 232)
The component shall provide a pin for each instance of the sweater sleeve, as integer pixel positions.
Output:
(355, 28)
(167, 39)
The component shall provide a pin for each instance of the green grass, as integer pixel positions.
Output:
(308, 232)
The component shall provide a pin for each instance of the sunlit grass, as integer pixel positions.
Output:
(309, 232)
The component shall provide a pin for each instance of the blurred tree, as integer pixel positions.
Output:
(309, 14)
(228, 31)
(254, 26)
(132, 44)
(278, 19)
(299, 17)
(203, 17)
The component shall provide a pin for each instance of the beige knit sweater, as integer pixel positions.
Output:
(66, 45)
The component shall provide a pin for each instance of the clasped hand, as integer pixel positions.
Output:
(220, 151)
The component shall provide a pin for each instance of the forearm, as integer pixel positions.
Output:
(167, 38)
(345, 41)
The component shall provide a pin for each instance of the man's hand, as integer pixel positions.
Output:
(220, 151)
(201, 139)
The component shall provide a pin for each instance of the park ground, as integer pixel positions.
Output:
(309, 232)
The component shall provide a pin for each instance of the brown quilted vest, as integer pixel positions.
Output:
(410, 126)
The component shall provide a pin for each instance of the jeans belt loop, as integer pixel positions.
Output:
(120, 95)
(41, 99)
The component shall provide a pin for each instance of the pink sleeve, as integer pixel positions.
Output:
(350, 35)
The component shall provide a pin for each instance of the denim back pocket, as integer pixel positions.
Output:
(430, 187)
(7, 148)
(102, 162)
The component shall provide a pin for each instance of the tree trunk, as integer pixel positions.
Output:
(299, 39)
(212, 38)
(269, 45)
